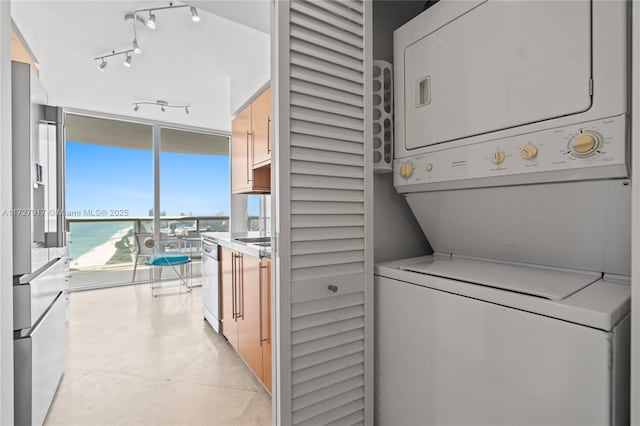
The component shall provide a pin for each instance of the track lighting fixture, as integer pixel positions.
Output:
(136, 47)
(162, 104)
(135, 18)
(151, 22)
(194, 14)
(103, 63)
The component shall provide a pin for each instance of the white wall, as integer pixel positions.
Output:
(397, 234)
(6, 242)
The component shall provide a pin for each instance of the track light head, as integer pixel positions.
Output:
(136, 108)
(162, 108)
(102, 65)
(127, 61)
(151, 22)
(186, 109)
(136, 47)
(194, 14)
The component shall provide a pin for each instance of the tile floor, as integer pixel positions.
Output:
(137, 360)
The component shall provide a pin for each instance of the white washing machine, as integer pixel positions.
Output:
(512, 152)
(463, 341)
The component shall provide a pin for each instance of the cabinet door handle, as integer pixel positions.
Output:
(262, 338)
(269, 135)
(249, 179)
(233, 285)
(241, 286)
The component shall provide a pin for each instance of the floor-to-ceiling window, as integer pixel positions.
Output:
(110, 191)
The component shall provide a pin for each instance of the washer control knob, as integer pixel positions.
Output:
(406, 170)
(584, 144)
(529, 151)
(429, 167)
(498, 157)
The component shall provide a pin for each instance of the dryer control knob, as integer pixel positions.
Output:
(529, 151)
(406, 170)
(584, 144)
(498, 157)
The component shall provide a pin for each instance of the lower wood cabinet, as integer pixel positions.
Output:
(246, 309)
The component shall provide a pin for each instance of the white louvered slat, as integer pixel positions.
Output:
(336, 33)
(339, 8)
(315, 194)
(311, 181)
(311, 102)
(337, 233)
(327, 380)
(325, 77)
(312, 260)
(330, 410)
(319, 169)
(310, 207)
(314, 247)
(327, 342)
(328, 179)
(333, 145)
(331, 119)
(326, 42)
(327, 221)
(310, 10)
(318, 86)
(323, 156)
(320, 272)
(326, 330)
(319, 129)
(302, 376)
(327, 393)
(323, 54)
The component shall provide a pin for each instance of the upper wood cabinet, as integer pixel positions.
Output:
(261, 122)
(251, 147)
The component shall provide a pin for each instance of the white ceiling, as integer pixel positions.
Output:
(214, 65)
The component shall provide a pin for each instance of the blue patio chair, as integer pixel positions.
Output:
(181, 265)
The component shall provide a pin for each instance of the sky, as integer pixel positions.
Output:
(115, 179)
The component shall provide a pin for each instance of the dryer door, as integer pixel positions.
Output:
(497, 66)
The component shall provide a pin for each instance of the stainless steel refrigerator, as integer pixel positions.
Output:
(39, 260)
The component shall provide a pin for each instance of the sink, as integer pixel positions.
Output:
(255, 240)
(262, 244)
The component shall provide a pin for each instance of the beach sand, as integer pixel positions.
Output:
(100, 255)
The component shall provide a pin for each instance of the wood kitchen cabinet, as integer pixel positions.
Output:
(261, 125)
(249, 331)
(251, 147)
(246, 309)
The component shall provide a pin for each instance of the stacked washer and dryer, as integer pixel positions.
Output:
(512, 150)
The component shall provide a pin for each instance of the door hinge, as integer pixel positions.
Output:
(590, 87)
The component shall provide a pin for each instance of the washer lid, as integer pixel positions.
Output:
(546, 283)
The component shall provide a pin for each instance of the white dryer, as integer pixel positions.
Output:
(512, 152)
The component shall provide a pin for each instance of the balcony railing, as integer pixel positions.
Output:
(103, 251)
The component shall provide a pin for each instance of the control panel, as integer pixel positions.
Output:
(589, 147)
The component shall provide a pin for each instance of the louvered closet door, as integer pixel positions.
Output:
(324, 219)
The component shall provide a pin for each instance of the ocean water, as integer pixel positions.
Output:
(87, 235)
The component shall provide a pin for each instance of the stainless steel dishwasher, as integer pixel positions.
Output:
(211, 283)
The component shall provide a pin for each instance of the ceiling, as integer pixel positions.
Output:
(214, 64)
